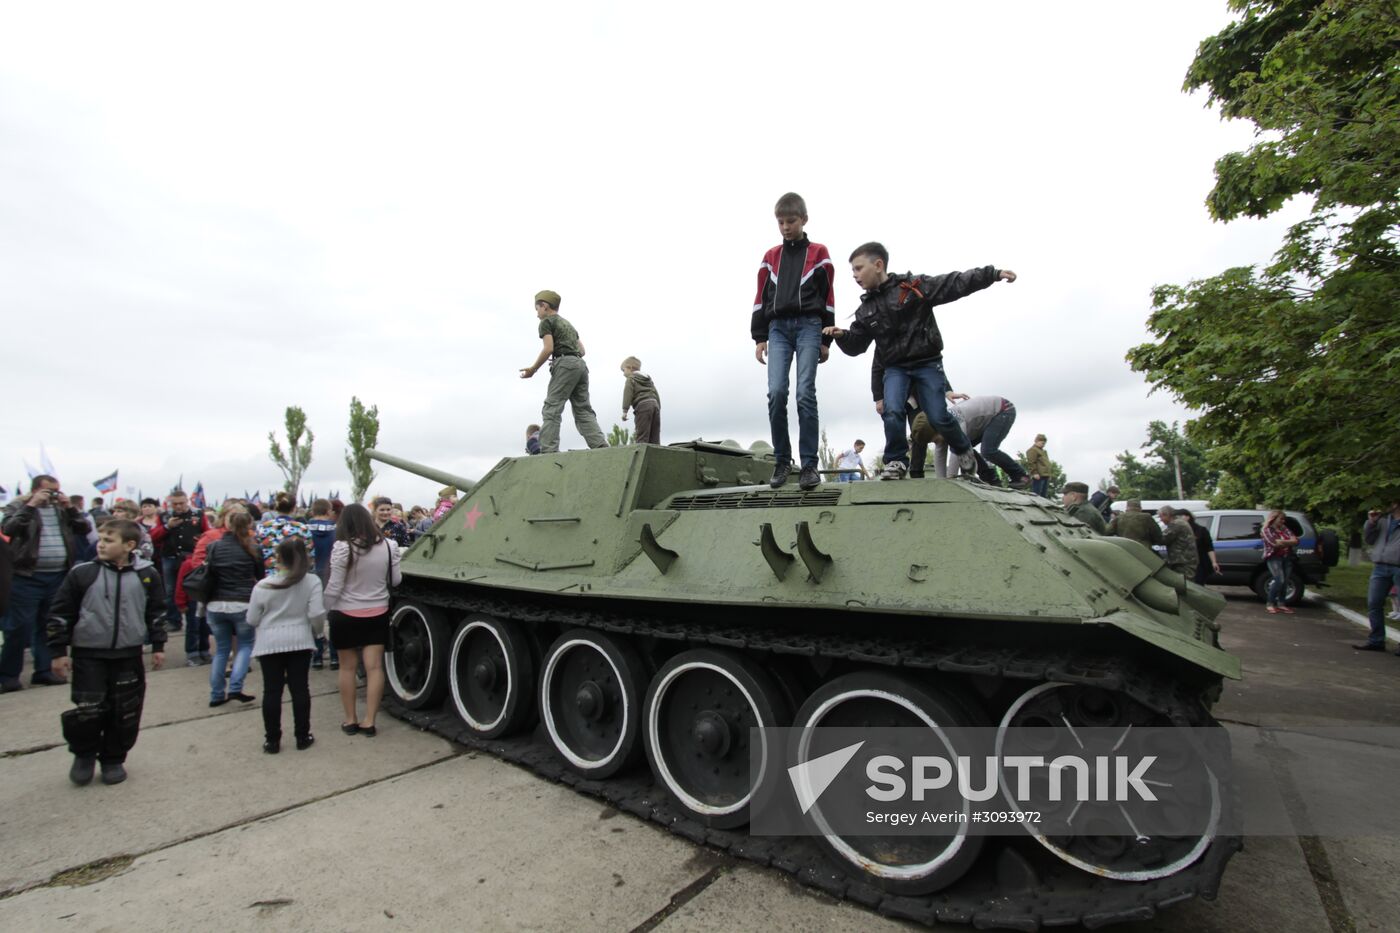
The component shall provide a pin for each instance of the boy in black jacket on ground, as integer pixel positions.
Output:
(105, 610)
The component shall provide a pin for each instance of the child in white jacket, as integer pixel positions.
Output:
(288, 611)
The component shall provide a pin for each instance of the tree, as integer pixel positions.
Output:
(619, 436)
(1176, 468)
(1293, 367)
(363, 435)
(294, 462)
(825, 455)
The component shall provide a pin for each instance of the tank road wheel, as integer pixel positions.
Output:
(492, 676)
(591, 701)
(417, 662)
(698, 713)
(906, 865)
(1102, 838)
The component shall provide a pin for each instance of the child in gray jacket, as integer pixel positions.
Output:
(288, 611)
(105, 611)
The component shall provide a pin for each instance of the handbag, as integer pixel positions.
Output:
(197, 580)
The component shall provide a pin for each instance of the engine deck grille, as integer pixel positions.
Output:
(756, 499)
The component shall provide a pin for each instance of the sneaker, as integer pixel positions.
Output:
(1272, 610)
(780, 475)
(967, 463)
(1021, 482)
(304, 744)
(1285, 609)
(810, 478)
(113, 772)
(81, 772)
(219, 702)
(10, 685)
(895, 469)
(206, 659)
(272, 746)
(1394, 616)
(47, 679)
(193, 662)
(335, 665)
(318, 664)
(1368, 646)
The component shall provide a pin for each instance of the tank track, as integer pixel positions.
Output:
(1017, 886)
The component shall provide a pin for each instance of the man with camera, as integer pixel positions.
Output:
(174, 536)
(45, 532)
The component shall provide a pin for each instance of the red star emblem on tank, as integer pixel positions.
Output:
(472, 516)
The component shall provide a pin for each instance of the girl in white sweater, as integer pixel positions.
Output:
(288, 611)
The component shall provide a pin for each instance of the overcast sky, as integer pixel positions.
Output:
(210, 212)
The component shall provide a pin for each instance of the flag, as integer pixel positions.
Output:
(4, 494)
(179, 484)
(197, 500)
(257, 498)
(130, 491)
(30, 470)
(107, 484)
(45, 462)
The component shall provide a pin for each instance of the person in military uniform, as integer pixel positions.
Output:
(1180, 541)
(1076, 501)
(1136, 524)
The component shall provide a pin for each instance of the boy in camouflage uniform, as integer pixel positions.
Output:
(568, 376)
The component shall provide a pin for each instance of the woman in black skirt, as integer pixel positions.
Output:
(364, 565)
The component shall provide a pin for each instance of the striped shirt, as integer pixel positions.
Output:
(53, 552)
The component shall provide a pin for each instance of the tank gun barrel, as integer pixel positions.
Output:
(438, 476)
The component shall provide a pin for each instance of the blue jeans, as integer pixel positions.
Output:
(1040, 487)
(170, 573)
(850, 477)
(789, 337)
(1278, 579)
(992, 436)
(196, 635)
(1383, 577)
(928, 384)
(225, 625)
(26, 623)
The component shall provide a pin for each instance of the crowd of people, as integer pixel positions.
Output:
(88, 592)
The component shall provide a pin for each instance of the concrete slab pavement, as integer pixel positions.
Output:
(404, 828)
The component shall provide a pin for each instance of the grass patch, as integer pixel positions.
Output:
(1346, 585)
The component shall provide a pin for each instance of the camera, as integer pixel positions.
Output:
(53, 494)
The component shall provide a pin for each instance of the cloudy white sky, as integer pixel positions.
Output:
(208, 213)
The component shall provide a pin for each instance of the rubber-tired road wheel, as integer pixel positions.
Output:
(591, 687)
(1292, 596)
(416, 664)
(491, 676)
(698, 713)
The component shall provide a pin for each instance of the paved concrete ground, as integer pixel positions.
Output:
(404, 831)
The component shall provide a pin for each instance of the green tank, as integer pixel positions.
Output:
(590, 612)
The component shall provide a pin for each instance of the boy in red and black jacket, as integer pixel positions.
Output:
(796, 299)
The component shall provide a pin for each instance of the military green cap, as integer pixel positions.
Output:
(548, 297)
(1077, 487)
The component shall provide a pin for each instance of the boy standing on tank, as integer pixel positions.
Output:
(796, 299)
(568, 376)
(640, 394)
(105, 611)
(896, 313)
